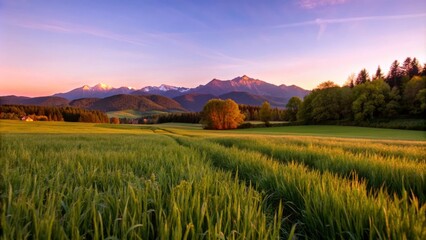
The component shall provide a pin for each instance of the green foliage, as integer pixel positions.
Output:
(412, 89)
(329, 102)
(370, 100)
(221, 114)
(192, 117)
(421, 97)
(377, 103)
(43, 113)
(252, 113)
(265, 112)
(293, 107)
(394, 77)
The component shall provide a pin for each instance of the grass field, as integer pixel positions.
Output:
(176, 181)
(125, 114)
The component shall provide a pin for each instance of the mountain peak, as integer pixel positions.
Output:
(102, 86)
(245, 77)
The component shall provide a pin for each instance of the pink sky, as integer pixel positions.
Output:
(51, 47)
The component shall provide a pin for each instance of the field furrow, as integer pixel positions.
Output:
(395, 175)
(324, 205)
(125, 187)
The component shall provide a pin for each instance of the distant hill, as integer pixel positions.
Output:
(83, 102)
(249, 85)
(251, 99)
(38, 101)
(127, 101)
(194, 102)
(243, 90)
(12, 99)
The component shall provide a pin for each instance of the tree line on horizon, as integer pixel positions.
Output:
(363, 100)
(399, 94)
(48, 113)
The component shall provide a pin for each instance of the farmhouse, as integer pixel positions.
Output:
(27, 119)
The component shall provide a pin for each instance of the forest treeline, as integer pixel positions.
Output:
(401, 94)
(44, 113)
(251, 113)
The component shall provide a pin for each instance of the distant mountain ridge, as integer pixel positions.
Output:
(215, 87)
(126, 101)
(243, 90)
(100, 90)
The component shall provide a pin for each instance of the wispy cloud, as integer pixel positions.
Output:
(60, 27)
(322, 23)
(310, 4)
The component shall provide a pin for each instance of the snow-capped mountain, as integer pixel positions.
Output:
(100, 90)
(249, 85)
(273, 93)
(164, 88)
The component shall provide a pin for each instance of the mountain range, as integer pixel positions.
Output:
(243, 90)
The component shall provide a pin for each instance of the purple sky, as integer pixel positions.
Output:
(54, 46)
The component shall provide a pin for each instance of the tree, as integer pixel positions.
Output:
(324, 103)
(421, 97)
(370, 100)
(362, 77)
(265, 112)
(415, 68)
(394, 78)
(327, 84)
(305, 111)
(114, 120)
(221, 114)
(412, 88)
(350, 81)
(406, 67)
(379, 74)
(423, 71)
(293, 107)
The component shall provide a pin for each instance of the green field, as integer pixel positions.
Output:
(125, 114)
(132, 114)
(176, 181)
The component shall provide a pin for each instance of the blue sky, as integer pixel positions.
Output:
(54, 46)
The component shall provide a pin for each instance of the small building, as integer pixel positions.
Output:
(27, 119)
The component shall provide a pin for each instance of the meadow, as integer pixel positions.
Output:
(176, 181)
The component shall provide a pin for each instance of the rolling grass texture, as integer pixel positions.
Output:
(382, 167)
(176, 181)
(323, 204)
(341, 132)
(85, 187)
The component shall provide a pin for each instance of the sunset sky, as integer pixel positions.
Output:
(54, 46)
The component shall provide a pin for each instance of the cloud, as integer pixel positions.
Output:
(322, 23)
(60, 27)
(310, 4)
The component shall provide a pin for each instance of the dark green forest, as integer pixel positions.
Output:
(44, 113)
(365, 100)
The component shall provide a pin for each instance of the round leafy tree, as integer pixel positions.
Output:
(221, 114)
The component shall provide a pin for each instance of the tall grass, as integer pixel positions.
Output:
(324, 205)
(122, 187)
(395, 174)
